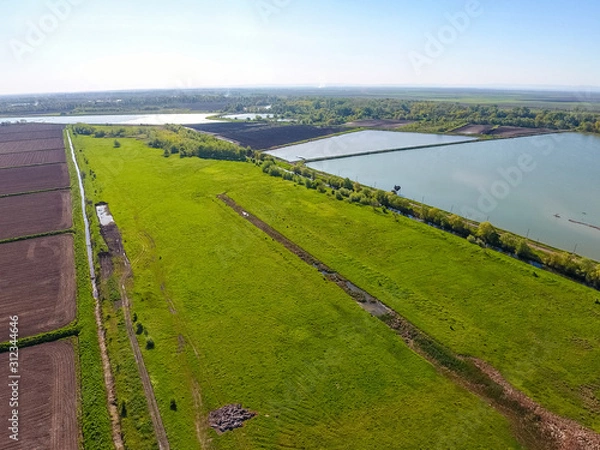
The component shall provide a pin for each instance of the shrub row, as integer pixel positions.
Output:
(483, 234)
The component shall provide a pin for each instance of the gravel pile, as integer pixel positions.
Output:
(229, 418)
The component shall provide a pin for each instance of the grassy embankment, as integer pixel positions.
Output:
(236, 318)
(95, 422)
(136, 424)
(537, 328)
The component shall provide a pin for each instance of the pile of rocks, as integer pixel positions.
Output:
(229, 418)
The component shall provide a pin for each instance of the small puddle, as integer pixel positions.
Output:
(104, 215)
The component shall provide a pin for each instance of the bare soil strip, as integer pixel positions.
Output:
(47, 398)
(32, 145)
(26, 128)
(112, 237)
(38, 284)
(502, 131)
(384, 124)
(30, 136)
(34, 214)
(31, 179)
(259, 136)
(32, 158)
(535, 427)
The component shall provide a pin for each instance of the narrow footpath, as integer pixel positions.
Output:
(159, 428)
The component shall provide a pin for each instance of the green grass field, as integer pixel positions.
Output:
(136, 424)
(540, 331)
(236, 318)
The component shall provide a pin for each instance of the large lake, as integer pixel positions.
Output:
(118, 119)
(361, 142)
(534, 186)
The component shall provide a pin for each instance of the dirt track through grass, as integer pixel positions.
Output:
(533, 425)
(159, 428)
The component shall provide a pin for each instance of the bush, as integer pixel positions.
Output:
(344, 192)
(365, 200)
(382, 198)
(307, 173)
(458, 225)
(475, 240)
(523, 251)
(308, 183)
(487, 233)
(275, 171)
(335, 182)
(508, 242)
(81, 128)
(356, 197)
(149, 343)
(266, 167)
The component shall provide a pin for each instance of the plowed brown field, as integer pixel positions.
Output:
(32, 158)
(47, 408)
(32, 145)
(31, 214)
(29, 135)
(38, 284)
(32, 179)
(29, 127)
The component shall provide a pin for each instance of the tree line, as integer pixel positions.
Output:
(435, 116)
(175, 139)
(172, 139)
(483, 234)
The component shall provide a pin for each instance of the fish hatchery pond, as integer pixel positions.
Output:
(545, 187)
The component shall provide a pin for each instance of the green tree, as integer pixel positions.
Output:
(508, 242)
(458, 225)
(149, 343)
(523, 251)
(487, 233)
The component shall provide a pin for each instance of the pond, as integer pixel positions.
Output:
(545, 187)
(362, 142)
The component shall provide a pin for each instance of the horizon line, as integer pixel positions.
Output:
(490, 87)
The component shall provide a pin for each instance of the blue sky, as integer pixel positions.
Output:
(81, 45)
